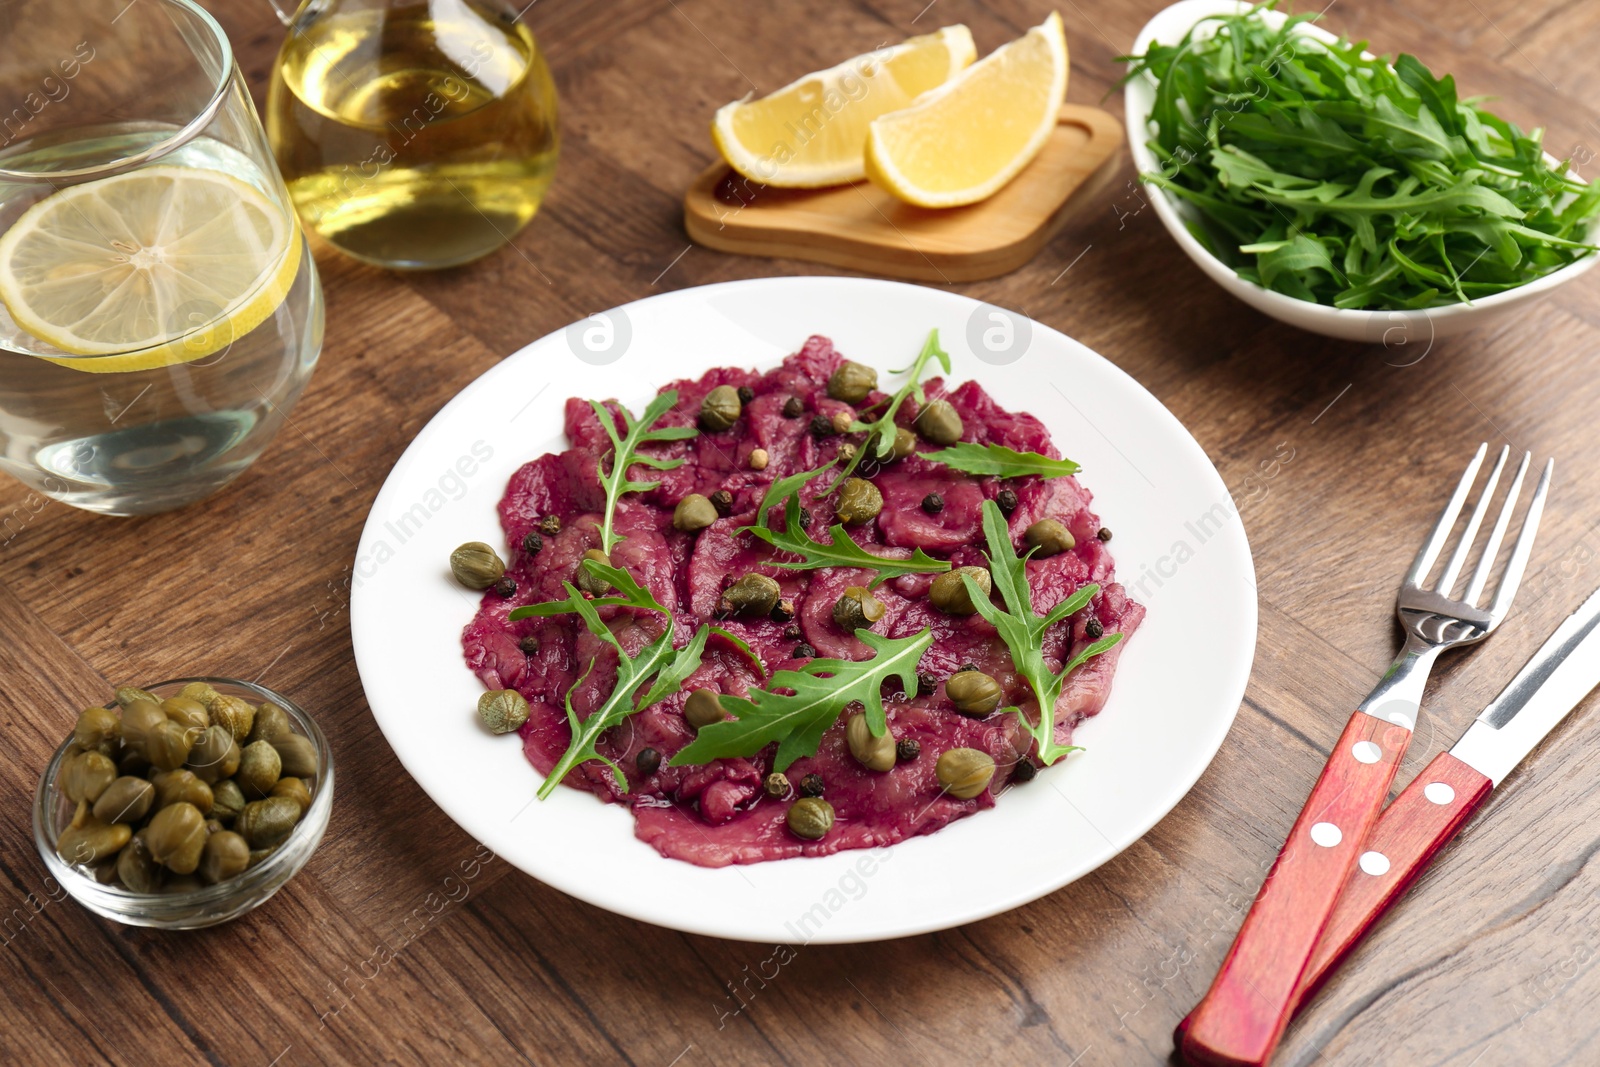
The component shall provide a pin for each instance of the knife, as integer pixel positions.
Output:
(1433, 808)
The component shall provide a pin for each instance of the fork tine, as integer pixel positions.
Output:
(1447, 518)
(1458, 558)
(1480, 576)
(1524, 547)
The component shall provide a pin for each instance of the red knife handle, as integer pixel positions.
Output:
(1406, 837)
(1241, 1018)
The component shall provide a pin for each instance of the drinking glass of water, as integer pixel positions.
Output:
(159, 309)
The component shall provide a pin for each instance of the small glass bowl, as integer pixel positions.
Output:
(212, 904)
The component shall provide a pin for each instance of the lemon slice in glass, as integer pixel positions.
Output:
(964, 140)
(810, 133)
(147, 269)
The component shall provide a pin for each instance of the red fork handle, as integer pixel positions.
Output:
(1406, 837)
(1241, 1018)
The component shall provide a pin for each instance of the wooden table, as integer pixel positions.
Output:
(384, 949)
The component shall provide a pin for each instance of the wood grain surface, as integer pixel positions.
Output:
(402, 942)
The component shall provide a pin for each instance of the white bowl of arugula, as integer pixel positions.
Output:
(1338, 192)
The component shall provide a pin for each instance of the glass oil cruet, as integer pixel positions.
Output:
(412, 133)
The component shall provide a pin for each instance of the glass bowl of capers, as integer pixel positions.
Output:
(184, 804)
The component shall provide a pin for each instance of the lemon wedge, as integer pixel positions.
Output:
(810, 133)
(965, 139)
(147, 269)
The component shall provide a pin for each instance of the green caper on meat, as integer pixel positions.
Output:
(215, 754)
(587, 580)
(225, 855)
(85, 776)
(949, 593)
(694, 512)
(703, 708)
(905, 443)
(265, 823)
(876, 753)
(183, 786)
(720, 409)
(1047, 537)
(176, 837)
(271, 721)
(810, 818)
(857, 609)
(476, 565)
(753, 594)
(852, 382)
(235, 713)
(167, 747)
(939, 423)
(88, 841)
(502, 710)
(859, 502)
(260, 767)
(187, 713)
(126, 800)
(96, 726)
(964, 772)
(973, 693)
(137, 869)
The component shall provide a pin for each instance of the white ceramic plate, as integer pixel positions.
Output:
(1178, 686)
(1390, 328)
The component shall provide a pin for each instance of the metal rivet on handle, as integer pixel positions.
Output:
(1326, 834)
(1375, 863)
(1366, 751)
(1438, 792)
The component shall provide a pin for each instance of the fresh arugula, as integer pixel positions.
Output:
(625, 453)
(797, 707)
(657, 668)
(1023, 631)
(1345, 180)
(880, 431)
(801, 552)
(1000, 461)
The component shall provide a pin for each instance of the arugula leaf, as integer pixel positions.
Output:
(1001, 461)
(1342, 179)
(1023, 631)
(625, 453)
(881, 430)
(804, 553)
(817, 694)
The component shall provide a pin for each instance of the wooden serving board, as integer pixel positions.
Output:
(862, 227)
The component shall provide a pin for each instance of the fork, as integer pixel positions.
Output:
(1241, 1018)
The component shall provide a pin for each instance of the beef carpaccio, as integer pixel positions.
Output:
(717, 814)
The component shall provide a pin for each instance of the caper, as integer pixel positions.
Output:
(876, 753)
(859, 502)
(128, 799)
(939, 423)
(974, 693)
(127, 694)
(227, 799)
(754, 594)
(260, 855)
(270, 721)
(183, 787)
(857, 609)
(964, 772)
(200, 691)
(176, 837)
(905, 443)
(502, 710)
(186, 712)
(296, 754)
(215, 754)
(214, 825)
(137, 869)
(852, 382)
(168, 746)
(260, 767)
(703, 708)
(236, 713)
(476, 565)
(776, 785)
(96, 726)
(225, 855)
(88, 841)
(949, 593)
(140, 721)
(720, 409)
(810, 818)
(265, 823)
(1047, 537)
(85, 776)
(586, 580)
(694, 512)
